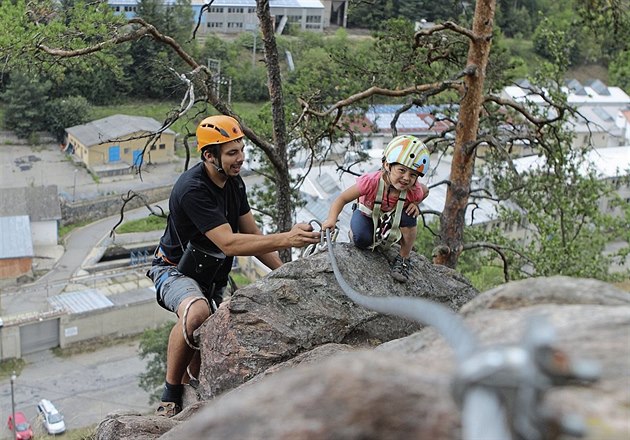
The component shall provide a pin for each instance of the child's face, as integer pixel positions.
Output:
(402, 177)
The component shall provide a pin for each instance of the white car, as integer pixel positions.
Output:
(52, 419)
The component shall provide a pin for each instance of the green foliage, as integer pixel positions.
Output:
(371, 15)
(553, 40)
(9, 366)
(619, 70)
(240, 279)
(153, 346)
(26, 100)
(150, 223)
(556, 204)
(426, 238)
(67, 112)
(515, 22)
(483, 277)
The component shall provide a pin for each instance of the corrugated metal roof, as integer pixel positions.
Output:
(306, 4)
(80, 301)
(114, 128)
(40, 203)
(15, 237)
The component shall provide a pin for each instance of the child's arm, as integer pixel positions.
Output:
(413, 209)
(337, 206)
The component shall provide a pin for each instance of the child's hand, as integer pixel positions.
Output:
(328, 224)
(412, 210)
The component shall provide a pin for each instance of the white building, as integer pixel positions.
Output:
(236, 16)
(597, 123)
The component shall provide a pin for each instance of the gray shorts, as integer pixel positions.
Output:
(172, 287)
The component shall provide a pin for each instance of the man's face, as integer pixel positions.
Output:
(233, 156)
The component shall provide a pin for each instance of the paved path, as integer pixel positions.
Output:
(84, 387)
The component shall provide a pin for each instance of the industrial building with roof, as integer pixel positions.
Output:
(29, 219)
(236, 16)
(115, 145)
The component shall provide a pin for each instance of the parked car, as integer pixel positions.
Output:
(51, 418)
(22, 427)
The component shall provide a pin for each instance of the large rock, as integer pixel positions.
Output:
(300, 307)
(401, 389)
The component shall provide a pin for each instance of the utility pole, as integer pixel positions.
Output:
(13, 377)
(74, 187)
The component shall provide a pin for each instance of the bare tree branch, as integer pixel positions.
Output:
(128, 198)
(450, 26)
(379, 91)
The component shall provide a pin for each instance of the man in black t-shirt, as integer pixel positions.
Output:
(209, 223)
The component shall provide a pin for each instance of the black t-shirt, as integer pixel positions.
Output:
(197, 205)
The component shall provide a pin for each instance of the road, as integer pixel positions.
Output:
(84, 387)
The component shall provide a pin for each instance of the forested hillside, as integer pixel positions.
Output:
(525, 30)
(62, 58)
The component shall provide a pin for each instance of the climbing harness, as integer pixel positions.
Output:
(314, 248)
(500, 389)
(185, 318)
(386, 227)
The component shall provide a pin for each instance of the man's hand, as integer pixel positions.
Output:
(302, 234)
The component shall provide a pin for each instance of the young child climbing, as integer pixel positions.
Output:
(388, 200)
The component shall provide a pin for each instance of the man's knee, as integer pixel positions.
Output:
(195, 310)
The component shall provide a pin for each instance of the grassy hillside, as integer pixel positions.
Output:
(159, 110)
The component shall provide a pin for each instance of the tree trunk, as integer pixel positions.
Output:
(284, 205)
(453, 217)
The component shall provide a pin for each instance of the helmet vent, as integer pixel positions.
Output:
(219, 129)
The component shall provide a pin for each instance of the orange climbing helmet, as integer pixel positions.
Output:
(409, 151)
(218, 129)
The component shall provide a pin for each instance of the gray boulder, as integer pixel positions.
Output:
(300, 307)
(305, 355)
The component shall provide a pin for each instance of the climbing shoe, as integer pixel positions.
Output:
(168, 409)
(400, 269)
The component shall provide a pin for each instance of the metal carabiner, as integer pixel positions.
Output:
(315, 248)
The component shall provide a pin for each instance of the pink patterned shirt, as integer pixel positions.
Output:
(368, 187)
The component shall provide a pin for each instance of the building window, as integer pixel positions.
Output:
(251, 10)
(294, 18)
(216, 10)
(162, 146)
(235, 10)
(126, 151)
(233, 25)
(153, 147)
(215, 24)
(313, 18)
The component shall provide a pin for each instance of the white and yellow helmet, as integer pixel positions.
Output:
(409, 151)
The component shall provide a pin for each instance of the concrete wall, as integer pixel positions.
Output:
(44, 233)
(10, 342)
(118, 321)
(96, 209)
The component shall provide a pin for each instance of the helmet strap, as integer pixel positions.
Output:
(219, 167)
